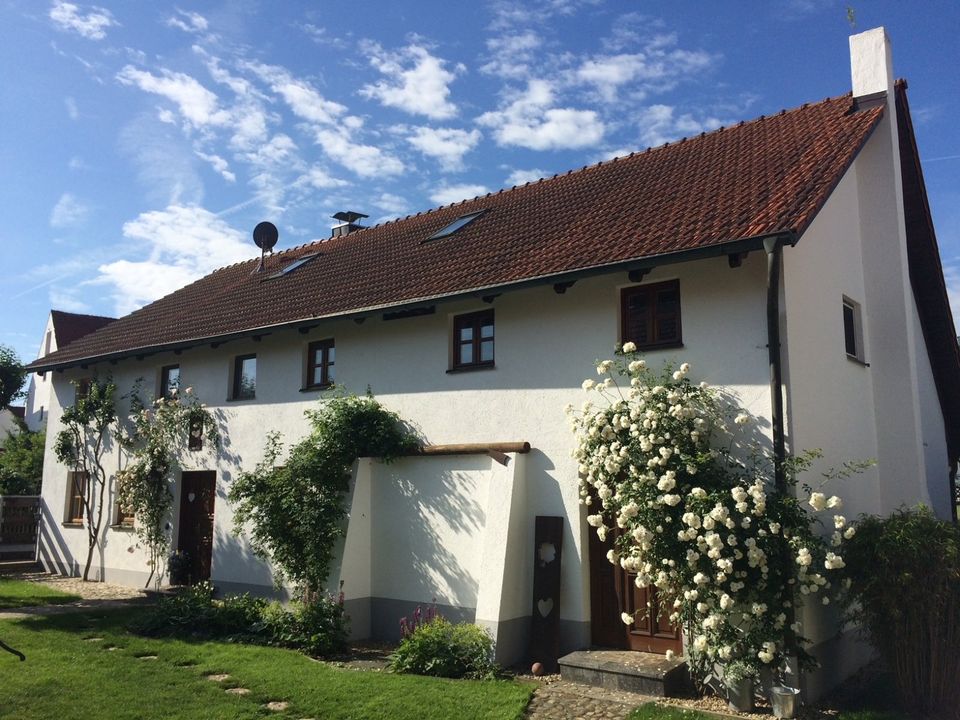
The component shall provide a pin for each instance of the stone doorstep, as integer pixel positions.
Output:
(636, 672)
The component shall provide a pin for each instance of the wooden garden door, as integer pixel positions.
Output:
(612, 592)
(198, 491)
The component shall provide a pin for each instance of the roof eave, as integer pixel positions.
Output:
(728, 247)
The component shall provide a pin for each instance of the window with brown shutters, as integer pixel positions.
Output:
(473, 340)
(650, 315)
(76, 490)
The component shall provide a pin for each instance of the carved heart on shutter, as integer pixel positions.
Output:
(544, 607)
(191, 497)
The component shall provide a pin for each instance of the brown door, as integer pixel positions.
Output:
(612, 592)
(198, 490)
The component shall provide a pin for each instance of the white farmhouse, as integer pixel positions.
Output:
(806, 232)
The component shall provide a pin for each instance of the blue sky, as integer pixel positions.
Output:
(141, 142)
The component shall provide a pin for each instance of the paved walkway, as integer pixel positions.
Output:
(557, 699)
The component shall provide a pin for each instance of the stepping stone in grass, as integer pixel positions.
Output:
(93, 639)
(146, 657)
(218, 677)
(238, 691)
(277, 705)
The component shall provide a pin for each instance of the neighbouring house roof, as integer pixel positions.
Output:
(18, 411)
(69, 327)
(699, 195)
(926, 277)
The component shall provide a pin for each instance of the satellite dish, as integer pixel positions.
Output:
(265, 235)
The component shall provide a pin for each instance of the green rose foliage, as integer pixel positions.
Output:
(673, 473)
(159, 433)
(295, 510)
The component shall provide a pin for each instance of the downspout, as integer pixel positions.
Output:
(774, 249)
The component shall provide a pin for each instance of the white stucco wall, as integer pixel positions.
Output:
(546, 344)
(40, 386)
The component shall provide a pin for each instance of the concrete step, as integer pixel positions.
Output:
(627, 671)
(14, 565)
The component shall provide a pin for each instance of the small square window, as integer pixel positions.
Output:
(76, 492)
(650, 315)
(81, 389)
(244, 377)
(124, 516)
(169, 379)
(321, 364)
(852, 330)
(473, 340)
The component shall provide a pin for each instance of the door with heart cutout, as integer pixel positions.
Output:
(198, 492)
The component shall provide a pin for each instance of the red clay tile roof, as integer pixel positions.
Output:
(764, 177)
(69, 327)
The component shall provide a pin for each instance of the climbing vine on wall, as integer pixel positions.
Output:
(293, 505)
(159, 436)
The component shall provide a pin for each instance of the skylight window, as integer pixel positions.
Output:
(456, 225)
(294, 265)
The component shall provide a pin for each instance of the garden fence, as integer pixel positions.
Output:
(19, 524)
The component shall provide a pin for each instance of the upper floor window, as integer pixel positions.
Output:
(76, 491)
(169, 379)
(244, 377)
(852, 330)
(473, 340)
(650, 315)
(81, 389)
(321, 357)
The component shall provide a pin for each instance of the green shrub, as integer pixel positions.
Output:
(442, 649)
(318, 628)
(904, 590)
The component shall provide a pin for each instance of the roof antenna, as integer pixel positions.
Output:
(265, 236)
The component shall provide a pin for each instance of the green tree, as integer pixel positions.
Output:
(12, 375)
(91, 429)
(295, 510)
(21, 463)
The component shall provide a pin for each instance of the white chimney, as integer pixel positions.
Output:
(871, 64)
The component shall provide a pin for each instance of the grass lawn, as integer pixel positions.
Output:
(68, 675)
(20, 593)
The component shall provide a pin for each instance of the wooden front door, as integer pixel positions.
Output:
(612, 592)
(198, 490)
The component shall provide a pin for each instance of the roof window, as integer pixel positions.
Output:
(294, 265)
(457, 224)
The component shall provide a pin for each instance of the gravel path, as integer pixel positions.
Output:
(92, 594)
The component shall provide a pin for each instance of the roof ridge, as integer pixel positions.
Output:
(83, 315)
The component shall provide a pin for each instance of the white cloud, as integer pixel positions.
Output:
(197, 104)
(530, 121)
(318, 178)
(658, 68)
(364, 160)
(659, 124)
(218, 164)
(92, 25)
(65, 299)
(165, 167)
(417, 82)
(447, 145)
(76, 163)
(390, 203)
(68, 211)
(304, 100)
(71, 105)
(511, 55)
(447, 194)
(181, 243)
(190, 22)
(521, 177)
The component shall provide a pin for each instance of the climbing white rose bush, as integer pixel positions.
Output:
(672, 472)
